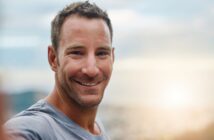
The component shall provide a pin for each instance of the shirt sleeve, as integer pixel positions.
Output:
(22, 129)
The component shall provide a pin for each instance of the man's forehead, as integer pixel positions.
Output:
(82, 23)
(80, 29)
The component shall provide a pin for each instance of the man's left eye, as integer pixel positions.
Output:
(76, 53)
(103, 53)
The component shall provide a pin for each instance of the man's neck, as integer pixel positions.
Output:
(84, 117)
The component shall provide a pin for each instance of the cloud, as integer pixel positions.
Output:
(132, 20)
(138, 33)
(22, 79)
(129, 20)
(19, 41)
(212, 10)
(165, 63)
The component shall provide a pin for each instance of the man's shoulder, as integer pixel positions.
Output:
(42, 122)
(33, 115)
(31, 123)
(26, 119)
(28, 127)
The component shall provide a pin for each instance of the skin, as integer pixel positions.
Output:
(83, 65)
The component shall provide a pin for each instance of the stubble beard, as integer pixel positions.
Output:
(67, 94)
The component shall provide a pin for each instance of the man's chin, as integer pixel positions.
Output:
(87, 103)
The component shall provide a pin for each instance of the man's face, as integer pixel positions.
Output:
(84, 60)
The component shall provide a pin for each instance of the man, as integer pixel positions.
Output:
(81, 56)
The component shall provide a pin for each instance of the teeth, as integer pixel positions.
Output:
(88, 84)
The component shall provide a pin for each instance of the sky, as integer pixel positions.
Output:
(164, 49)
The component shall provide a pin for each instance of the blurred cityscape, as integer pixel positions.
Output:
(135, 123)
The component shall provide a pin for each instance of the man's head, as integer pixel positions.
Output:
(83, 59)
(82, 9)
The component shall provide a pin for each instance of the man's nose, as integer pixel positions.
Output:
(90, 67)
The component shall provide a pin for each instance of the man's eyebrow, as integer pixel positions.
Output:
(72, 47)
(79, 46)
(108, 48)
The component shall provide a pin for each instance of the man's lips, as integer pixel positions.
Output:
(88, 84)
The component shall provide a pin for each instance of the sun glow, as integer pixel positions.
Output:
(176, 97)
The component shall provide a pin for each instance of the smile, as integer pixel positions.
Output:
(88, 84)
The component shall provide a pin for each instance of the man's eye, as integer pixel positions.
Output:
(102, 53)
(76, 53)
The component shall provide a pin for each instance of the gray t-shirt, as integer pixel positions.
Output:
(43, 121)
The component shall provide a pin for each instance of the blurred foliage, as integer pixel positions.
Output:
(11, 104)
(22, 100)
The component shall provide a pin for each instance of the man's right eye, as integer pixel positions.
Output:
(76, 52)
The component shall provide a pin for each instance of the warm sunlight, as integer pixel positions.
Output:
(176, 97)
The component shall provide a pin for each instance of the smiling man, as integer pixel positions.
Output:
(81, 56)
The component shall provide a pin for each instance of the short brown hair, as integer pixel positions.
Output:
(84, 9)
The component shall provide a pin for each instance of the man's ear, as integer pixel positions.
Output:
(52, 58)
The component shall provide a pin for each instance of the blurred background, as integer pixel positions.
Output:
(162, 86)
